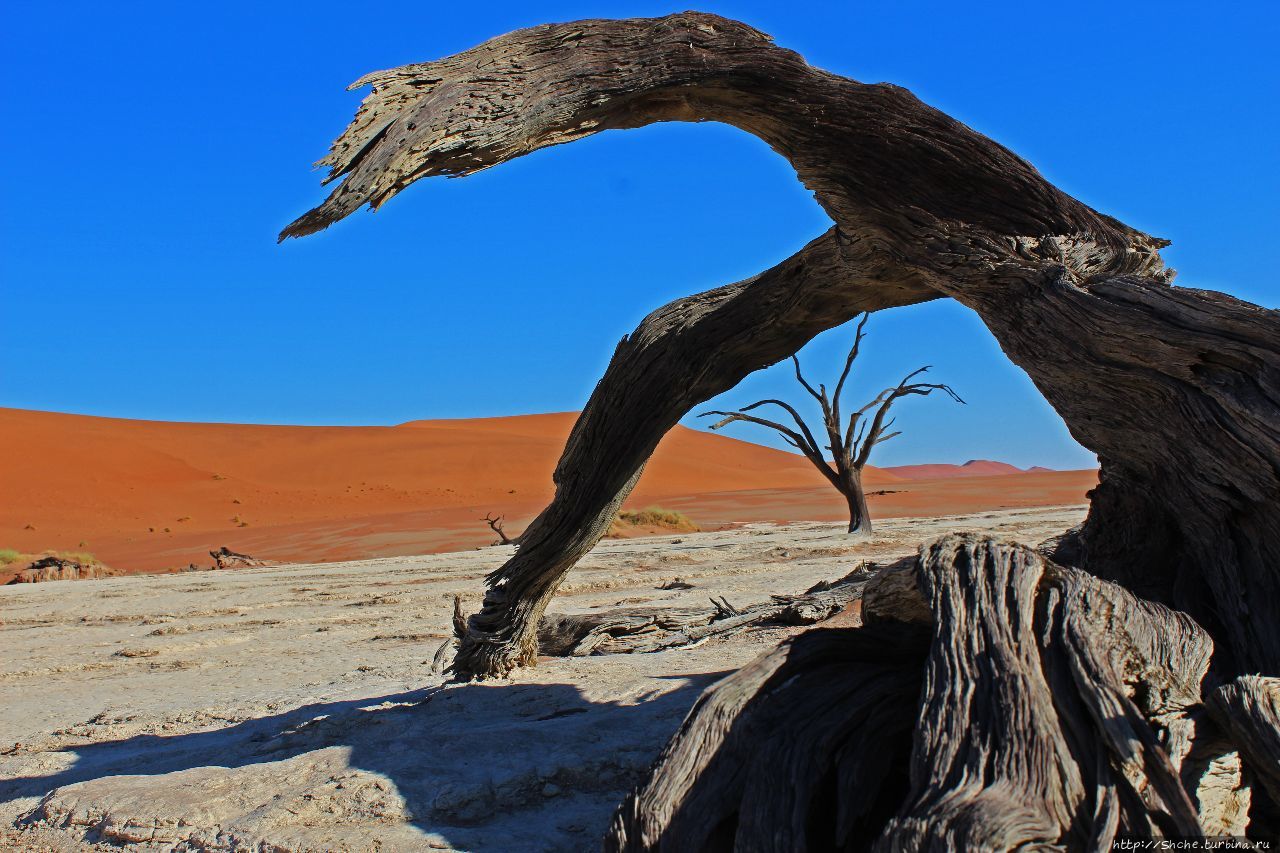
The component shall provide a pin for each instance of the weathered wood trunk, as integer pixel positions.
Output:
(859, 513)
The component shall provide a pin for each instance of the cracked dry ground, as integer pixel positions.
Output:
(293, 708)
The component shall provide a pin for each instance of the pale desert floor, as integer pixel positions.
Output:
(294, 708)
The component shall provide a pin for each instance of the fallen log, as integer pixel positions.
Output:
(634, 630)
(225, 558)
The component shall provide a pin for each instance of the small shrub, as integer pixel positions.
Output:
(653, 516)
(84, 558)
(8, 555)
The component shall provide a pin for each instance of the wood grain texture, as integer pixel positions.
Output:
(1248, 708)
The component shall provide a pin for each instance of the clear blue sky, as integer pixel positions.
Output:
(153, 151)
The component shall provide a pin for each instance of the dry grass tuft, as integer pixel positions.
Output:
(630, 520)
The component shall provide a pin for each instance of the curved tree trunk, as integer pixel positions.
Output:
(681, 355)
(1178, 391)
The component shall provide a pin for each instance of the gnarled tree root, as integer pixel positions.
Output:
(993, 700)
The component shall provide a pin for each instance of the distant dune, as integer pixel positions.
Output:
(150, 496)
(972, 468)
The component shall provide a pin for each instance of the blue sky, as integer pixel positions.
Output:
(154, 150)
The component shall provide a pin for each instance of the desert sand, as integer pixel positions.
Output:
(148, 496)
(293, 708)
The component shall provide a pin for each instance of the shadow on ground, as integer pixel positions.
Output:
(475, 766)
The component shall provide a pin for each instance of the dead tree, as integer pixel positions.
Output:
(850, 444)
(1177, 390)
(495, 524)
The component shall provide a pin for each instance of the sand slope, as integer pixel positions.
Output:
(972, 468)
(153, 496)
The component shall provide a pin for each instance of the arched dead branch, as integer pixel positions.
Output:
(1177, 390)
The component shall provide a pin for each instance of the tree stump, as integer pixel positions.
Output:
(1026, 705)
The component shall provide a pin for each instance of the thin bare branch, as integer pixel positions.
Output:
(804, 427)
(800, 378)
(800, 442)
(887, 398)
(732, 417)
(848, 364)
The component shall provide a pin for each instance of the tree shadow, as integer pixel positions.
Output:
(466, 760)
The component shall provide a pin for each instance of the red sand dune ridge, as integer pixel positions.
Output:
(972, 468)
(151, 495)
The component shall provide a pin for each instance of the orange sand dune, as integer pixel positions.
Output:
(151, 496)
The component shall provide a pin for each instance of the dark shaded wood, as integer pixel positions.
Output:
(802, 750)
(1177, 390)
(1248, 708)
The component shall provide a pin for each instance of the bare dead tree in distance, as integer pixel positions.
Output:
(850, 444)
(495, 524)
